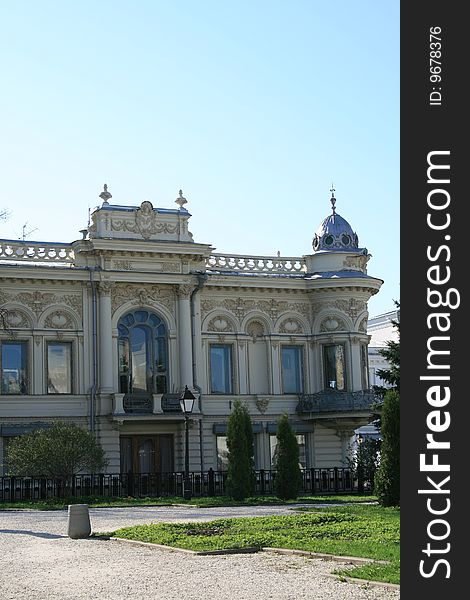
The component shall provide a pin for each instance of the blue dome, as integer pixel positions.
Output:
(335, 234)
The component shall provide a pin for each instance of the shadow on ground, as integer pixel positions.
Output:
(49, 536)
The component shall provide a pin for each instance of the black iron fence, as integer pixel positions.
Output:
(326, 481)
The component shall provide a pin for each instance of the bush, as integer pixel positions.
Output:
(387, 478)
(241, 475)
(61, 451)
(288, 475)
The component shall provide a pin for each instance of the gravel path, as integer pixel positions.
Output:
(39, 562)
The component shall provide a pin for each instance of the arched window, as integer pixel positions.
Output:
(143, 354)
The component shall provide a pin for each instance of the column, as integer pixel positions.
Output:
(185, 336)
(313, 384)
(355, 362)
(242, 368)
(105, 338)
(276, 367)
(197, 342)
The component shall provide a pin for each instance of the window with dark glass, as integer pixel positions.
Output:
(302, 450)
(59, 368)
(142, 354)
(334, 367)
(221, 369)
(14, 367)
(292, 370)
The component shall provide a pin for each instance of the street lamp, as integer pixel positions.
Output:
(187, 404)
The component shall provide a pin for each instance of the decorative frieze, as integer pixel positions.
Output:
(16, 319)
(241, 307)
(220, 324)
(59, 319)
(38, 301)
(123, 265)
(332, 323)
(352, 307)
(290, 326)
(149, 295)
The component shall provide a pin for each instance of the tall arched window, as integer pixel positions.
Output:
(143, 354)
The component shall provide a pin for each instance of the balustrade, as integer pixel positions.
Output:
(17, 250)
(255, 264)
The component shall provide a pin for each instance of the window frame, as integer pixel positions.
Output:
(301, 374)
(156, 343)
(326, 385)
(27, 368)
(70, 343)
(229, 363)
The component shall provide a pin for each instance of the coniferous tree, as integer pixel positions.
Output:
(391, 353)
(240, 476)
(288, 475)
(387, 477)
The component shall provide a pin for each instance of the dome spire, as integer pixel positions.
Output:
(333, 199)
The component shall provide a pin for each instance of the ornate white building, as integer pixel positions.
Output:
(106, 332)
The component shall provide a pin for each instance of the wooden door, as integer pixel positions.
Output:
(146, 453)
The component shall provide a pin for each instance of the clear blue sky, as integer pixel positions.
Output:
(252, 108)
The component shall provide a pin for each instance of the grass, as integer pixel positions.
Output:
(368, 531)
(102, 502)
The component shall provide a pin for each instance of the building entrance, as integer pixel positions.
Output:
(147, 454)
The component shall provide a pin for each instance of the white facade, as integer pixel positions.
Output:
(106, 332)
(381, 330)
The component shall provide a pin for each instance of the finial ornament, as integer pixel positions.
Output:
(181, 201)
(105, 195)
(333, 199)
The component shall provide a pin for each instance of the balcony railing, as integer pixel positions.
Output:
(143, 404)
(36, 252)
(230, 263)
(337, 402)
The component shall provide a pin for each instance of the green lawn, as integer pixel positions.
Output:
(368, 531)
(100, 502)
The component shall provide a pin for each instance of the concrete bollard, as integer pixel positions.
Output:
(79, 525)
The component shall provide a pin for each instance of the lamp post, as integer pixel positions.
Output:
(187, 405)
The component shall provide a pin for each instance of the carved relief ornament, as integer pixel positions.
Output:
(219, 324)
(290, 326)
(262, 404)
(38, 301)
(16, 319)
(351, 307)
(59, 319)
(356, 262)
(332, 323)
(240, 307)
(145, 222)
(150, 295)
(184, 290)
